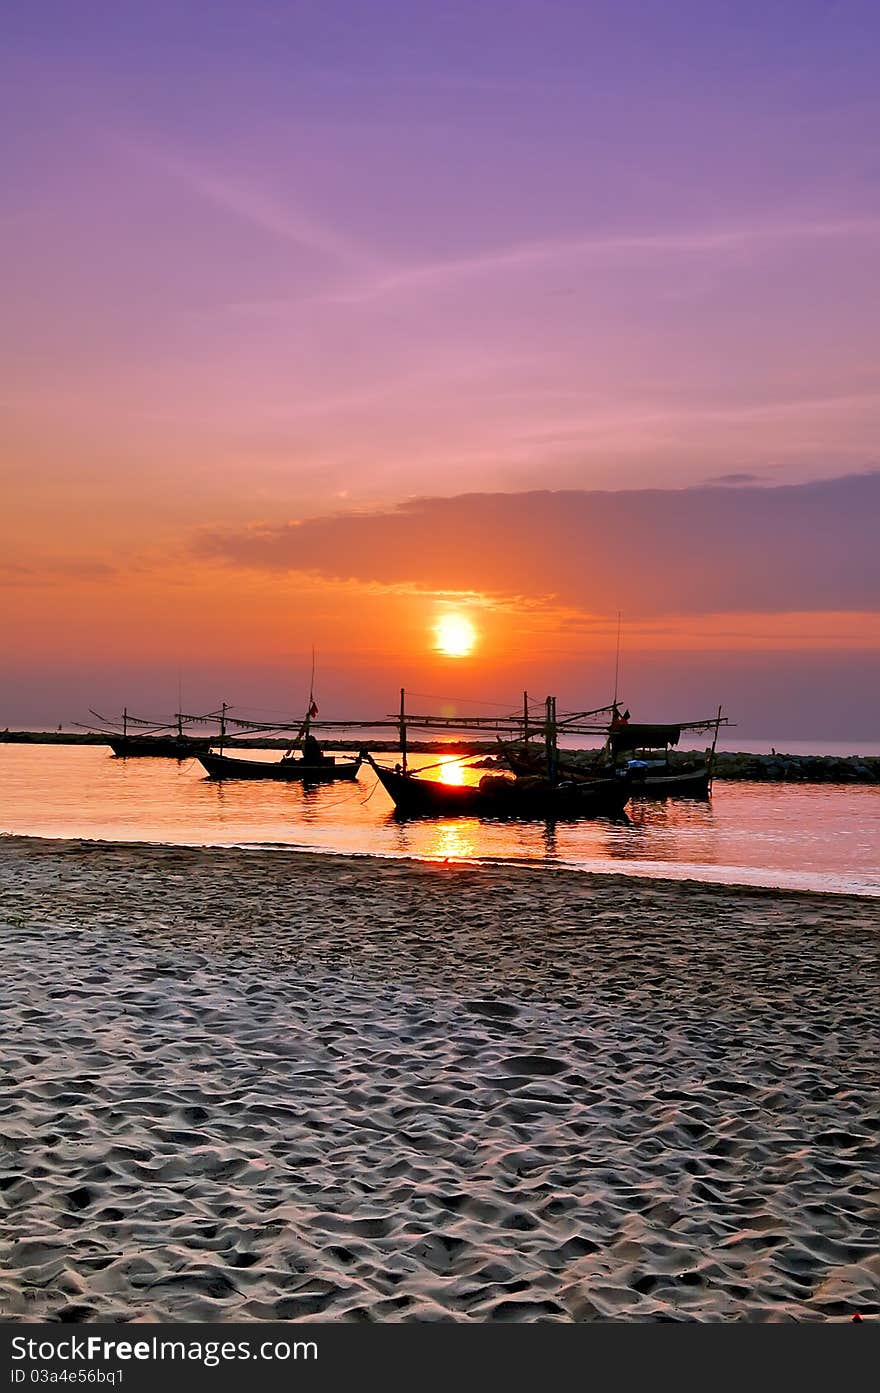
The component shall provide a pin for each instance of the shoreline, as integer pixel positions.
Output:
(244, 1087)
(514, 864)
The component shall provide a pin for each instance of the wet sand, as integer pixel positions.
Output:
(245, 1085)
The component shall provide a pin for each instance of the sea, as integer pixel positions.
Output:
(797, 836)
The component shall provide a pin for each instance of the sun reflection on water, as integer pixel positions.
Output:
(453, 841)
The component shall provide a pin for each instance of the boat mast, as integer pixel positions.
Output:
(403, 729)
(124, 722)
(550, 739)
(223, 710)
(308, 721)
(711, 760)
(525, 718)
(617, 661)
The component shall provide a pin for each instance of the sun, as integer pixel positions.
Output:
(450, 771)
(454, 635)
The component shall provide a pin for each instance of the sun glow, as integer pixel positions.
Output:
(450, 771)
(455, 635)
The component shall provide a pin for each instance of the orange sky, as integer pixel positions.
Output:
(293, 336)
(244, 636)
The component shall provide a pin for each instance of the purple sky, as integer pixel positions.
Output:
(269, 262)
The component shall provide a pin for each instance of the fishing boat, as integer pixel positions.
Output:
(155, 746)
(632, 749)
(666, 783)
(497, 796)
(311, 766)
(151, 739)
(288, 769)
(645, 750)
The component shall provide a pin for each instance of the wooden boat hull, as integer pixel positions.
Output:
(415, 797)
(526, 764)
(284, 771)
(153, 747)
(696, 783)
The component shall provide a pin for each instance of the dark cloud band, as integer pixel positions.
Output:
(800, 547)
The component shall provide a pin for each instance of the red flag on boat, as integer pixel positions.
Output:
(313, 709)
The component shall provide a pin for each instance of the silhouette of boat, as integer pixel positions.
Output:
(312, 766)
(287, 770)
(156, 746)
(496, 796)
(647, 777)
(656, 780)
(153, 739)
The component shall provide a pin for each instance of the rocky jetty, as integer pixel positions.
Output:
(805, 769)
(773, 768)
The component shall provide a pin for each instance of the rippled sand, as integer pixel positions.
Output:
(251, 1085)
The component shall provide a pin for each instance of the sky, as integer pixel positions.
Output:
(323, 320)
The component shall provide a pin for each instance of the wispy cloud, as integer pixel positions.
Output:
(16, 574)
(580, 248)
(600, 422)
(733, 479)
(286, 219)
(365, 276)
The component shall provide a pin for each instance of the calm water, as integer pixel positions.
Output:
(809, 837)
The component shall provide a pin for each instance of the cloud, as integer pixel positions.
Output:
(15, 573)
(734, 479)
(605, 249)
(285, 219)
(690, 551)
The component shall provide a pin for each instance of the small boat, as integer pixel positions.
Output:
(287, 769)
(153, 739)
(646, 777)
(312, 766)
(497, 796)
(657, 778)
(666, 783)
(155, 746)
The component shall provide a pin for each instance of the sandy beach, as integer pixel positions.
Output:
(253, 1085)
